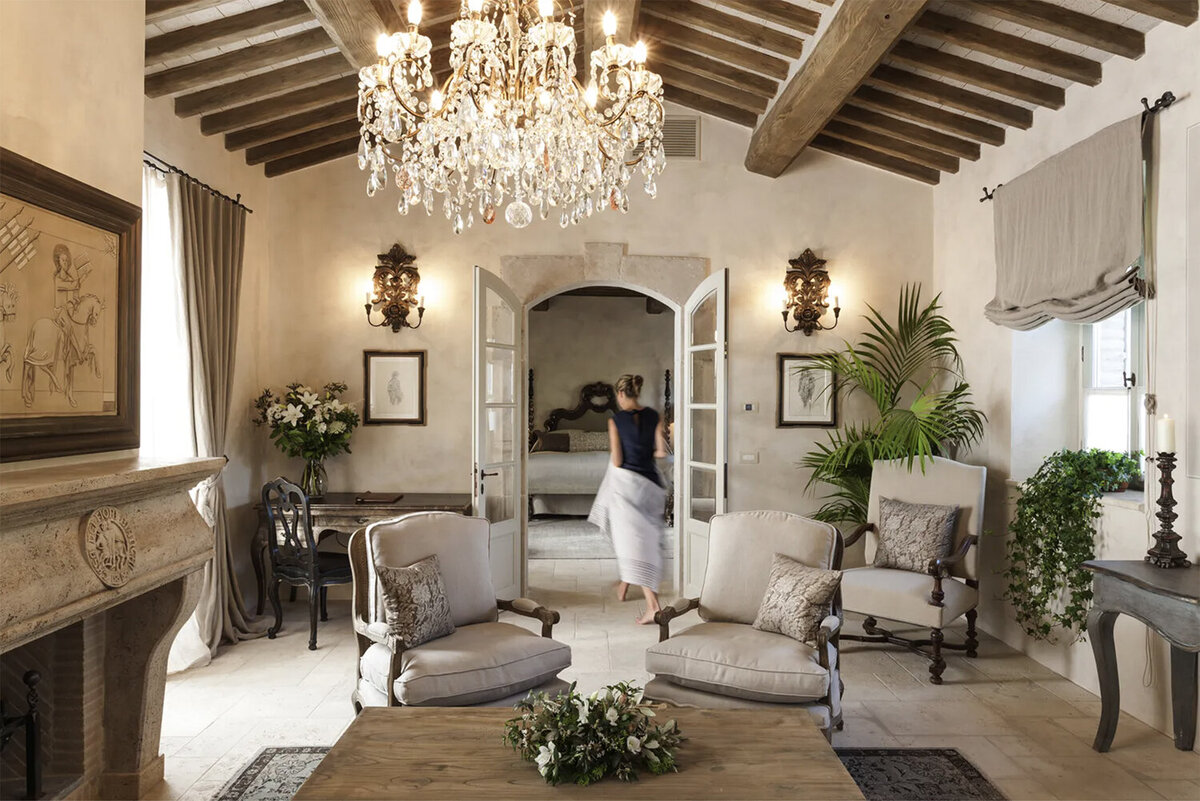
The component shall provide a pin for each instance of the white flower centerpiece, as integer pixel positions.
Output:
(581, 740)
(309, 424)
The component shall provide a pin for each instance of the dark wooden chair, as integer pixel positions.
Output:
(294, 555)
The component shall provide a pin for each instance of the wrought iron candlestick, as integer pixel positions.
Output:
(1165, 552)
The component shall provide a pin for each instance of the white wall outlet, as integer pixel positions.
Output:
(748, 457)
(750, 406)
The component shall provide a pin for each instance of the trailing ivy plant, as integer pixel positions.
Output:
(1053, 533)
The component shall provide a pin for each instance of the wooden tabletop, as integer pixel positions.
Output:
(408, 501)
(457, 753)
(1181, 582)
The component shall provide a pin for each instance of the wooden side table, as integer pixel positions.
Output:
(1166, 600)
(338, 510)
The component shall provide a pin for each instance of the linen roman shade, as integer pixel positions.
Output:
(1069, 234)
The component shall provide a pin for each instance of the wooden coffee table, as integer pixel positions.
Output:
(457, 753)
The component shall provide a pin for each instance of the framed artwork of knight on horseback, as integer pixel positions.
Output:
(70, 264)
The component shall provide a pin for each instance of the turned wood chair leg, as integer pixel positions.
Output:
(273, 592)
(314, 602)
(938, 665)
(972, 637)
(324, 608)
(869, 624)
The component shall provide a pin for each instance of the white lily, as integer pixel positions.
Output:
(633, 744)
(545, 757)
(291, 414)
(612, 715)
(309, 398)
(582, 705)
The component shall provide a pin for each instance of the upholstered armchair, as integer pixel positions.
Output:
(724, 662)
(483, 662)
(949, 587)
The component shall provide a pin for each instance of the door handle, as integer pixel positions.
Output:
(485, 474)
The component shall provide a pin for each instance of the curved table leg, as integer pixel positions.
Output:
(258, 544)
(1100, 632)
(1183, 697)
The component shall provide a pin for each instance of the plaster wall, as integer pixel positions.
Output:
(1030, 407)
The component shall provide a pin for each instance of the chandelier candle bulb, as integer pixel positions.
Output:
(546, 8)
(609, 24)
(639, 52)
(1165, 434)
(414, 12)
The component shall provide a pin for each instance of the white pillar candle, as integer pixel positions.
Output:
(1165, 434)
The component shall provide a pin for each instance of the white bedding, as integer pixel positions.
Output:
(552, 473)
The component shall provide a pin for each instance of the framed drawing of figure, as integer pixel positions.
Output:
(394, 387)
(70, 259)
(806, 397)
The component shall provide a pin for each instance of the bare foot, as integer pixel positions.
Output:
(647, 617)
(622, 588)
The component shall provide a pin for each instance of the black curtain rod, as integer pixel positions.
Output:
(1163, 102)
(166, 167)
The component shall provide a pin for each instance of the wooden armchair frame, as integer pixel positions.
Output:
(367, 634)
(939, 570)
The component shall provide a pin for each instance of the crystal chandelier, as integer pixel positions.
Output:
(511, 127)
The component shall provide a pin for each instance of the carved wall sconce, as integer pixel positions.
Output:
(807, 299)
(395, 290)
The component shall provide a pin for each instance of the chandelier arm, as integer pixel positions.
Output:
(418, 115)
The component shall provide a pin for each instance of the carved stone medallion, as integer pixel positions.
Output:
(110, 547)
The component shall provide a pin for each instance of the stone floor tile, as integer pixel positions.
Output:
(982, 753)
(1023, 697)
(1084, 778)
(1022, 789)
(1174, 789)
(953, 717)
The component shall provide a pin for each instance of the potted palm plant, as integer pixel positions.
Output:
(912, 372)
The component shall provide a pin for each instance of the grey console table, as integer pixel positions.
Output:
(1166, 600)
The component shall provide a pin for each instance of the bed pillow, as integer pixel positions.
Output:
(552, 442)
(797, 599)
(585, 441)
(414, 598)
(912, 534)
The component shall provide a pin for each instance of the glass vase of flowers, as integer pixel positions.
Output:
(308, 424)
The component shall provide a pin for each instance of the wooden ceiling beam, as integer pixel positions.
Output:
(159, 10)
(707, 105)
(226, 30)
(261, 111)
(750, 82)
(740, 29)
(1019, 87)
(893, 146)
(917, 134)
(1061, 21)
(1179, 12)
(789, 15)
(188, 77)
(301, 142)
(1011, 48)
(935, 91)
(354, 25)
(856, 40)
(292, 125)
(692, 82)
(874, 158)
(267, 84)
(672, 33)
(909, 109)
(309, 158)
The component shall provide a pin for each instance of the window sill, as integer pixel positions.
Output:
(1129, 499)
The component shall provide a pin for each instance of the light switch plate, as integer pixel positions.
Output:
(752, 406)
(748, 457)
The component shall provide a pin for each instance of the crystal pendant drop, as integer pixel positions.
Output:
(458, 224)
(489, 214)
(518, 214)
(651, 188)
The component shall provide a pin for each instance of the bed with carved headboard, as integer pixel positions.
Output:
(569, 455)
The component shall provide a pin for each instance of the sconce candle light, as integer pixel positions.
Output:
(395, 290)
(807, 295)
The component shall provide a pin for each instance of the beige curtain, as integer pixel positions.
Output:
(213, 235)
(1069, 233)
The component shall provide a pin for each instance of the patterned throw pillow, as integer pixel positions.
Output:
(583, 441)
(415, 601)
(797, 599)
(911, 534)
(552, 442)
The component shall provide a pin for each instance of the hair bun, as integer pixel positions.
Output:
(638, 381)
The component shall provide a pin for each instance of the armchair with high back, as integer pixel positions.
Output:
(483, 662)
(724, 662)
(949, 588)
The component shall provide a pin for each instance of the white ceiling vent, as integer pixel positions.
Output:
(681, 136)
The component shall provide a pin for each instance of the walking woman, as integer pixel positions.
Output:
(629, 506)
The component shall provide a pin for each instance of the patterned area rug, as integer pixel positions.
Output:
(916, 774)
(883, 774)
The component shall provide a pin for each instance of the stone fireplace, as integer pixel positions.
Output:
(100, 563)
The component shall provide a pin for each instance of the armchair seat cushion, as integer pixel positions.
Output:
(904, 595)
(737, 660)
(476, 664)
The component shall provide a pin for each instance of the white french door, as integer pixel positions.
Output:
(498, 436)
(703, 441)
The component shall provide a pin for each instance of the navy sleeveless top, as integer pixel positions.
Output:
(637, 432)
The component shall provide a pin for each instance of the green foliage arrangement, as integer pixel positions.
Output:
(1053, 533)
(1125, 469)
(580, 740)
(306, 423)
(902, 367)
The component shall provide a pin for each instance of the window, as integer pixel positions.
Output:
(1113, 382)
